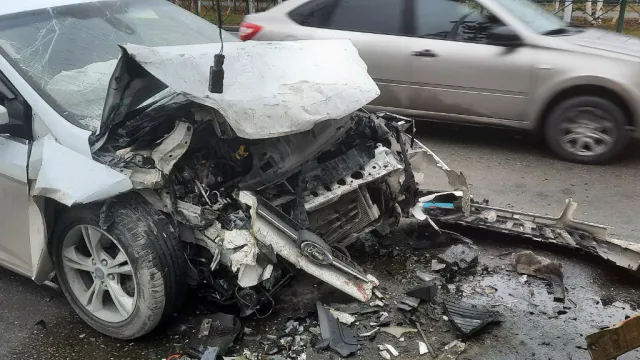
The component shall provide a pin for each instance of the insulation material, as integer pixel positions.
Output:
(293, 86)
(70, 178)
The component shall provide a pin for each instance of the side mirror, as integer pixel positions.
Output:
(4, 116)
(504, 36)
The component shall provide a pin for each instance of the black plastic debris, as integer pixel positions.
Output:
(460, 257)
(216, 331)
(334, 335)
(528, 263)
(426, 291)
(468, 319)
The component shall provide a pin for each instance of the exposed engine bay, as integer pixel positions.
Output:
(319, 190)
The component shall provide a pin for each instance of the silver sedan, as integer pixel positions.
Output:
(489, 62)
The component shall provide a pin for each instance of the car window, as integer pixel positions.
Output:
(314, 13)
(459, 20)
(68, 53)
(372, 16)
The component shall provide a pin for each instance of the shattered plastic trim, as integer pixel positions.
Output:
(562, 230)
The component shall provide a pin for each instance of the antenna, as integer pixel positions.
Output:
(216, 72)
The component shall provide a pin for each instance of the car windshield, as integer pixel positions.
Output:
(69, 53)
(537, 18)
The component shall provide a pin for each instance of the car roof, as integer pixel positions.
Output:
(12, 7)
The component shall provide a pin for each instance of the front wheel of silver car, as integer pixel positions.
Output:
(123, 274)
(587, 130)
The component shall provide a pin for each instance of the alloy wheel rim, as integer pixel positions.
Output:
(99, 273)
(588, 132)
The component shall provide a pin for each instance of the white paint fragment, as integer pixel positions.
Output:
(392, 350)
(422, 348)
(385, 355)
(70, 178)
(271, 88)
(343, 317)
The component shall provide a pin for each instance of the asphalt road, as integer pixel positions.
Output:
(511, 169)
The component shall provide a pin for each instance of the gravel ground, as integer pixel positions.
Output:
(509, 168)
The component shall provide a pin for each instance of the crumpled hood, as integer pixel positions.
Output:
(270, 88)
(607, 41)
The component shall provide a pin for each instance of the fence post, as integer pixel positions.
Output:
(195, 7)
(623, 9)
(568, 10)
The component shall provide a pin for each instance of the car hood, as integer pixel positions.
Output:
(607, 41)
(271, 89)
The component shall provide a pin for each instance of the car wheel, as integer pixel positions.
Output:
(123, 275)
(587, 129)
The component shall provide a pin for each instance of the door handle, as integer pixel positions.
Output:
(424, 53)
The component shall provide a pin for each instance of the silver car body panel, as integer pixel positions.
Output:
(479, 83)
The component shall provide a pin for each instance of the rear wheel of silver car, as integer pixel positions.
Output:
(123, 275)
(587, 129)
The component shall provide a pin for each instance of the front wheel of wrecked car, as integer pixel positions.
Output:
(122, 275)
(587, 130)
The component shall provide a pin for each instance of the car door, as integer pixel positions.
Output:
(457, 74)
(15, 248)
(376, 28)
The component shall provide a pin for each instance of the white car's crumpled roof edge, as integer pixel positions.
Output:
(271, 89)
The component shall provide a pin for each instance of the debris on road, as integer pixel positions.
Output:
(397, 331)
(469, 319)
(452, 350)
(528, 263)
(616, 340)
(334, 335)
(217, 331)
(391, 349)
(422, 348)
(426, 292)
(459, 258)
(343, 317)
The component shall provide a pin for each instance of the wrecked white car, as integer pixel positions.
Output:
(124, 179)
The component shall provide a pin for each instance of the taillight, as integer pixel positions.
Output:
(248, 31)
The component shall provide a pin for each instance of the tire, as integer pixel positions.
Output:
(156, 284)
(605, 117)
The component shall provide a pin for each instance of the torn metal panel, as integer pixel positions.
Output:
(70, 178)
(317, 80)
(172, 147)
(282, 244)
(585, 236)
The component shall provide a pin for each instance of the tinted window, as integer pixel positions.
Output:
(314, 13)
(375, 16)
(453, 20)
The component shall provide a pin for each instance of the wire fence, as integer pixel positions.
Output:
(617, 15)
(232, 10)
(622, 16)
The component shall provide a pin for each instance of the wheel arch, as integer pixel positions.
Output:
(587, 89)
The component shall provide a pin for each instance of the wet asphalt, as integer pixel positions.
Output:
(512, 169)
